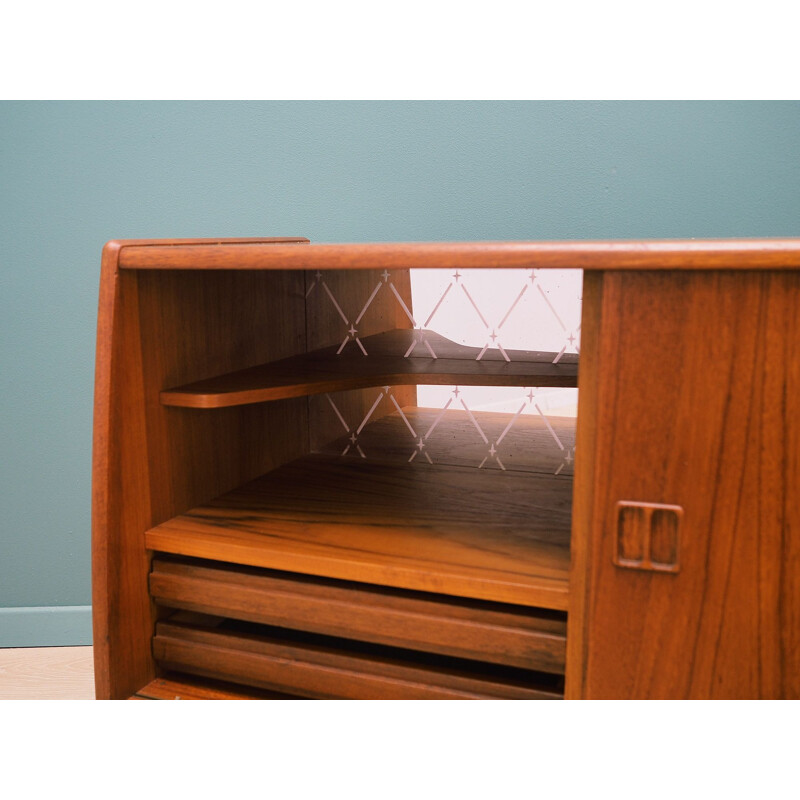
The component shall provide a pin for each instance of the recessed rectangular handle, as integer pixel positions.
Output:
(648, 536)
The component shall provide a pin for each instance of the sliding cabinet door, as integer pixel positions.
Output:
(686, 531)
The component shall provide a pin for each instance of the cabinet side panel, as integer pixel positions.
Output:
(697, 465)
(583, 486)
(121, 609)
(330, 298)
(200, 324)
(152, 462)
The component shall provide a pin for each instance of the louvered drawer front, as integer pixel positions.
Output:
(494, 633)
(322, 667)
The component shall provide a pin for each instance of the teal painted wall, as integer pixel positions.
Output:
(73, 175)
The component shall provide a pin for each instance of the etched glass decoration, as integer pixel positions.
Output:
(491, 316)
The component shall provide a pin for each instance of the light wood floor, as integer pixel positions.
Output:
(46, 673)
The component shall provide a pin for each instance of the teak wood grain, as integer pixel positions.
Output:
(150, 462)
(694, 254)
(328, 671)
(495, 633)
(689, 398)
(488, 535)
(122, 613)
(696, 404)
(385, 365)
(581, 538)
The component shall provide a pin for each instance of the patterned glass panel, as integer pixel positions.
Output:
(494, 317)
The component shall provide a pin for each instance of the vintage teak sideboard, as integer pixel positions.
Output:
(276, 516)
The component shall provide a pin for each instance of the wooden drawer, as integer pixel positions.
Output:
(326, 668)
(495, 633)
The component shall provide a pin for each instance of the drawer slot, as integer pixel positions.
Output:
(496, 633)
(325, 668)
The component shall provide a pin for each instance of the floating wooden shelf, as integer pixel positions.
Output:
(486, 534)
(385, 365)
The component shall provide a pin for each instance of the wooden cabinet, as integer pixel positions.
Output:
(242, 547)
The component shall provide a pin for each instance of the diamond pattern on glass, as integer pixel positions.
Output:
(497, 427)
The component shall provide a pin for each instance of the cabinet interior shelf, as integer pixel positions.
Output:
(385, 364)
(488, 534)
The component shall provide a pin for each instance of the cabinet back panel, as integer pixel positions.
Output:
(338, 292)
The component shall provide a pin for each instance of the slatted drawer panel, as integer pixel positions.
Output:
(488, 632)
(319, 667)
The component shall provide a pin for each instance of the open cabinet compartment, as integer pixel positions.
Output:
(445, 529)
(246, 439)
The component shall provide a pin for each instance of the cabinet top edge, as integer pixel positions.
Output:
(283, 253)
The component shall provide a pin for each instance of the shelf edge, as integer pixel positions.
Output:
(538, 592)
